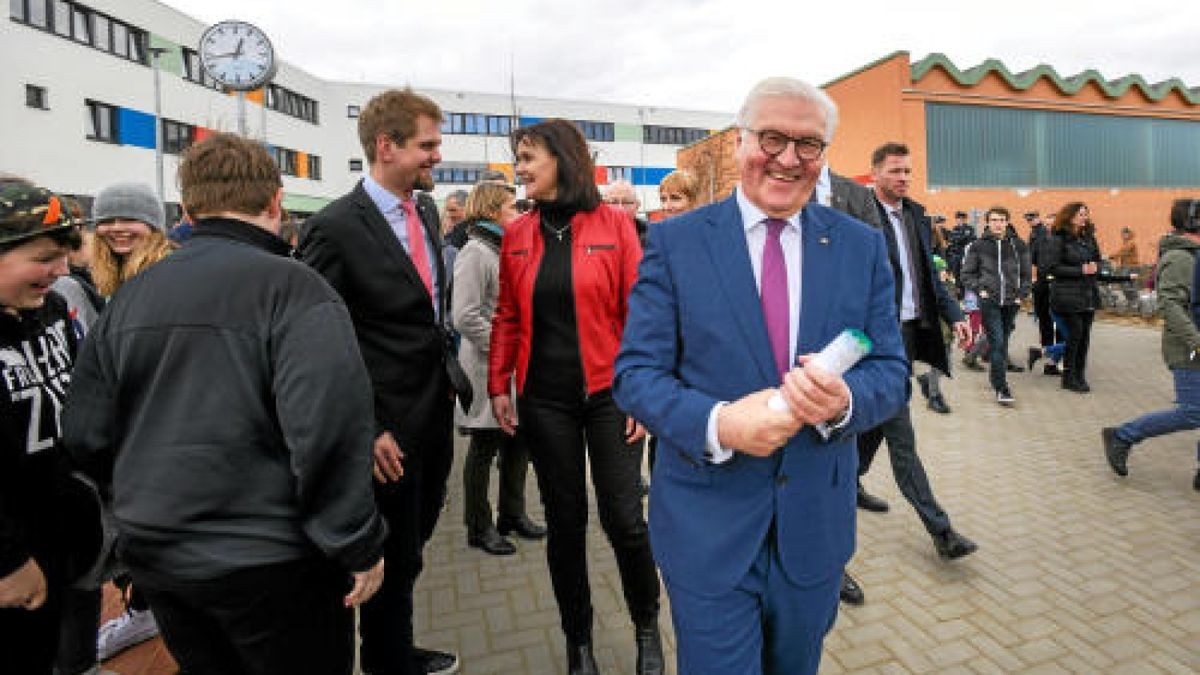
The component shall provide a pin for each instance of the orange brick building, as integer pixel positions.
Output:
(1032, 140)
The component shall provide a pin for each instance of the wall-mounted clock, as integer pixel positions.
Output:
(238, 55)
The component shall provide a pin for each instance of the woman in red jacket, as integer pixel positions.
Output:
(566, 269)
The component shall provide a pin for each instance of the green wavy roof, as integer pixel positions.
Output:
(1067, 85)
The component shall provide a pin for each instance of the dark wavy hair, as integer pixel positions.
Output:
(576, 171)
(1185, 215)
(1064, 220)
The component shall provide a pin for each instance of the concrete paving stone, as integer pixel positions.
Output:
(950, 653)
(1039, 651)
(911, 656)
(1047, 669)
(996, 652)
(863, 655)
(1178, 667)
(984, 666)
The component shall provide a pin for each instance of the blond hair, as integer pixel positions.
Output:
(110, 271)
(683, 182)
(487, 200)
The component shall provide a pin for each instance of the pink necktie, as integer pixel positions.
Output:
(416, 244)
(774, 295)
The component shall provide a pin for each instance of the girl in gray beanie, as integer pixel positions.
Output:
(130, 234)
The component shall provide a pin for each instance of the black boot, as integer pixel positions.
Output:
(580, 660)
(649, 651)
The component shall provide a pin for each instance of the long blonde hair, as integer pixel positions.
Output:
(109, 272)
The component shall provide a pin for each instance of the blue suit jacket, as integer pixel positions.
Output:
(695, 335)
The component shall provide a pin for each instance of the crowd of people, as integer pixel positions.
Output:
(251, 433)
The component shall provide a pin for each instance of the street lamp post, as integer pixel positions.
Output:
(155, 53)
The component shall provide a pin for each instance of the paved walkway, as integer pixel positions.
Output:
(1078, 571)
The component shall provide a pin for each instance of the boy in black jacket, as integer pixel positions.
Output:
(223, 395)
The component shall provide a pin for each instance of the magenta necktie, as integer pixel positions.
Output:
(774, 295)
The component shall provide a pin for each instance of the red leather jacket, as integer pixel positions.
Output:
(604, 257)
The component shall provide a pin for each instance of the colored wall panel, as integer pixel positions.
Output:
(530, 121)
(203, 133)
(135, 128)
(601, 174)
(650, 175)
(627, 132)
(302, 164)
(506, 169)
(171, 60)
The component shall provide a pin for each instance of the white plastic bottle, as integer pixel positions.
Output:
(840, 355)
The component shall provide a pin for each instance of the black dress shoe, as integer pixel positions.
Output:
(1035, 353)
(649, 651)
(1196, 481)
(923, 382)
(580, 660)
(1082, 386)
(490, 541)
(1116, 451)
(870, 502)
(952, 545)
(1014, 368)
(851, 593)
(1051, 369)
(938, 404)
(433, 662)
(522, 526)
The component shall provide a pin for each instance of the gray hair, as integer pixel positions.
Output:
(459, 196)
(787, 87)
(619, 184)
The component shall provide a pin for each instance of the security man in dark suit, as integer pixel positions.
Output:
(379, 247)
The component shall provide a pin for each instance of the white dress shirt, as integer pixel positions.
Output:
(908, 294)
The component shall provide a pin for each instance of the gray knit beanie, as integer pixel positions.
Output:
(131, 201)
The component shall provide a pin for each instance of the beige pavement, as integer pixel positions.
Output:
(1078, 571)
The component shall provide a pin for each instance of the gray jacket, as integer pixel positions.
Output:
(997, 269)
(476, 288)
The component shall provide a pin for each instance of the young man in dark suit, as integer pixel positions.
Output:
(379, 246)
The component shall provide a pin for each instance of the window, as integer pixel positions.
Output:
(288, 102)
(314, 167)
(16, 9)
(356, 165)
(102, 35)
(194, 72)
(616, 173)
(985, 146)
(101, 122)
(62, 18)
(81, 21)
(459, 174)
(671, 135)
(177, 136)
(597, 131)
(477, 124)
(37, 13)
(352, 111)
(35, 97)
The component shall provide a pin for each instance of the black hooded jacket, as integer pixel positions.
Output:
(223, 394)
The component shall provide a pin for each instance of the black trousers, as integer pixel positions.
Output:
(906, 464)
(30, 638)
(562, 438)
(1041, 309)
(412, 507)
(283, 618)
(485, 445)
(1079, 339)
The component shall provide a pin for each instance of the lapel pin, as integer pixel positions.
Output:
(824, 241)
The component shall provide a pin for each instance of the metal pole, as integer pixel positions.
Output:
(241, 102)
(155, 53)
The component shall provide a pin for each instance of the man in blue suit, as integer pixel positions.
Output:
(752, 505)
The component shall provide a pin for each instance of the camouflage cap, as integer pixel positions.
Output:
(28, 211)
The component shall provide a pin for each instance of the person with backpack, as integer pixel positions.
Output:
(1176, 283)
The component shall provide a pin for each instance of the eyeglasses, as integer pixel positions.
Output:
(621, 202)
(773, 143)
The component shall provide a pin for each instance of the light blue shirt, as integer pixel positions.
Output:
(393, 212)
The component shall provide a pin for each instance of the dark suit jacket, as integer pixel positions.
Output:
(402, 342)
(695, 335)
(938, 305)
(853, 199)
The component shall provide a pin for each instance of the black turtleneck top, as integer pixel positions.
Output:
(555, 360)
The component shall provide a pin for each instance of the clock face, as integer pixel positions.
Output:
(238, 55)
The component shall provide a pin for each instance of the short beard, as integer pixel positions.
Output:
(423, 183)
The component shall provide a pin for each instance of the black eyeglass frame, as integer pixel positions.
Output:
(807, 142)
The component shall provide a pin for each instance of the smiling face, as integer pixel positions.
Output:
(673, 202)
(402, 167)
(780, 185)
(538, 170)
(123, 236)
(27, 271)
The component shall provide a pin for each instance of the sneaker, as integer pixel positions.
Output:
(1035, 353)
(133, 627)
(923, 382)
(432, 662)
(1004, 397)
(1196, 481)
(1116, 451)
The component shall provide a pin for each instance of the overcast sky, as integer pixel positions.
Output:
(702, 54)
